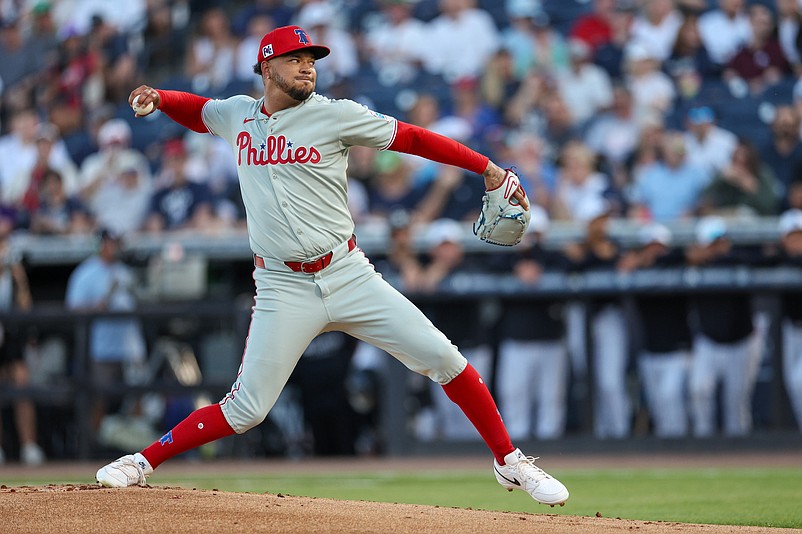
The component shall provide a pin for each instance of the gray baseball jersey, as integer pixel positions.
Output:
(292, 168)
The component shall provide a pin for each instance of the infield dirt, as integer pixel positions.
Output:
(87, 508)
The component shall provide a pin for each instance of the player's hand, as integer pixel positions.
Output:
(495, 175)
(146, 96)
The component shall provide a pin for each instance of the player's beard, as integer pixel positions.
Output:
(297, 93)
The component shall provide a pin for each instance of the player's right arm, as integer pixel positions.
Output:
(184, 108)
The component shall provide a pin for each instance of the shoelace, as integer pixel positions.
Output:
(527, 465)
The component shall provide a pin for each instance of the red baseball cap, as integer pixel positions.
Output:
(288, 39)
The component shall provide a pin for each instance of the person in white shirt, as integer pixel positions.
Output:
(652, 89)
(708, 145)
(460, 41)
(586, 88)
(657, 26)
(725, 30)
(395, 43)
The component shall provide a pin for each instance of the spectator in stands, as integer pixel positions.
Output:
(578, 181)
(760, 62)
(596, 27)
(668, 189)
(20, 150)
(610, 54)
(114, 154)
(725, 30)
(664, 357)
(656, 27)
(527, 152)
(212, 50)
(103, 283)
(533, 365)
(279, 12)
(689, 64)
(401, 262)
(395, 44)
(468, 105)
(15, 295)
(178, 204)
(789, 16)
(25, 189)
(256, 28)
(614, 134)
(393, 186)
(557, 123)
(319, 19)
(74, 84)
(121, 203)
(746, 187)
(585, 87)
(43, 32)
(545, 48)
(724, 349)
(499, 81)
(647, 152)
(790, 227)
(607, 323)
(709, 146)
(56, 212)
(462, 322)
(783, 151)
(652, 90)
(126, 16)
(118, 63)
(453, 35)
(21, 66)
(163, 40)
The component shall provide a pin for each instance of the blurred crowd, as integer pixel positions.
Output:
(667, 109)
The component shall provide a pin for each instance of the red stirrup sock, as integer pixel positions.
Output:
(469, 392)
(201, 426)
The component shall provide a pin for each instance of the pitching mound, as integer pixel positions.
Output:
(88, 508)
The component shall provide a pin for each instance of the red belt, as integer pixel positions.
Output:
(307, 266)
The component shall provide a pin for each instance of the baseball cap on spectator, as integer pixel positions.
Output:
(655, 233)
(399, 219)
(114, 131)
(444, 231)
(316, 14)
(288, 39)
(387, 161)
(107, 234)
(790, 221)
(522, 9)
(701, 115)
(710, 229)
(174, 148)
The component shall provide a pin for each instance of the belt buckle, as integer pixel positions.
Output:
(309, 267)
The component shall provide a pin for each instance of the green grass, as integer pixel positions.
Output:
(759, 497)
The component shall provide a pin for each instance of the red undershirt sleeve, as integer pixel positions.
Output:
(184, 108)
(412, 139)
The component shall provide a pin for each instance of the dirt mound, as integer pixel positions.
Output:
(87, 508)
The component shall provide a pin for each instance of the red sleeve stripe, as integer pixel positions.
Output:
(184, 108)
(411, 139)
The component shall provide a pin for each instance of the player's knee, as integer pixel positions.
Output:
(244, 417)
(446, 365)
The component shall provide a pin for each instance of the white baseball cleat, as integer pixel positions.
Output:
(130, 470)
(520, 472)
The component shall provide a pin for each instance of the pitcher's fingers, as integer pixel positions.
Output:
(520, 195)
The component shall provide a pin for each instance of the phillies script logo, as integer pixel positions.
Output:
(274, 151)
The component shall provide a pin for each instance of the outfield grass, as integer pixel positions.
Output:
(759, 497)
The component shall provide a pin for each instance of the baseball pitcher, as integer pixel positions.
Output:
(291, 147)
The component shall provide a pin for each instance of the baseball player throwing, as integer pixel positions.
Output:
(291, 148)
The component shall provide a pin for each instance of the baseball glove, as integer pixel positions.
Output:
(503, 221)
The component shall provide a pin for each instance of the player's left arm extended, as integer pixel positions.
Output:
(412, 139)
